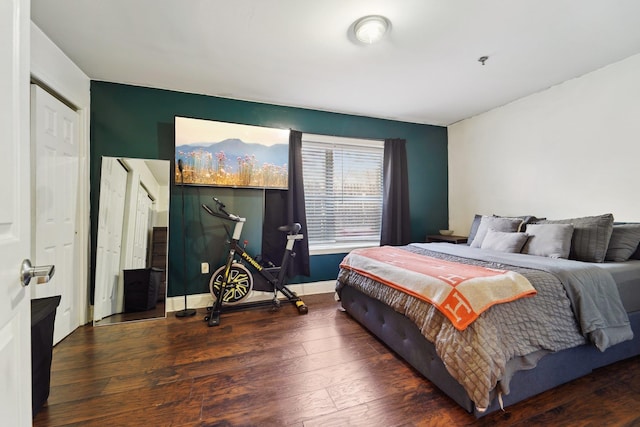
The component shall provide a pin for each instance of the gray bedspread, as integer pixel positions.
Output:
(593, 292)
(506, 337)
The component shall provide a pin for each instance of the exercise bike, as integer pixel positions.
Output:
(233, 282)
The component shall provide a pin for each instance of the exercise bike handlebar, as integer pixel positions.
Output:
(223, 215)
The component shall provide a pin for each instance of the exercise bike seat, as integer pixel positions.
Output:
(291, 228)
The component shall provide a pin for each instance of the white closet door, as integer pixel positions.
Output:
(113, 186)
(54, 141)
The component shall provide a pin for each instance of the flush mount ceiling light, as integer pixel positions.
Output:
(370, 29)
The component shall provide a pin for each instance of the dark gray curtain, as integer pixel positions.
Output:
(286, 207)
(296, 211)
(396, 221)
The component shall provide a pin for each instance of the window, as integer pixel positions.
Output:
(343, 192)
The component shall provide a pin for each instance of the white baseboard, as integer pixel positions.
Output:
(205, 300)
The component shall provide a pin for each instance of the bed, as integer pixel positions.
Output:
(580, 315)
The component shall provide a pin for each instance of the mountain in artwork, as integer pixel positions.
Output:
(234, 163)
(233, 149)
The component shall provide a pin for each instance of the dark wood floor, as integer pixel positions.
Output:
(282, 369)
(154, 313)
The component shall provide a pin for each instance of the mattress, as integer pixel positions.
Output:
(627, 277)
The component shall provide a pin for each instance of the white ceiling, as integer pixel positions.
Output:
(298, 52)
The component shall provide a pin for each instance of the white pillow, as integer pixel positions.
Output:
(549, 240)
(502, 241)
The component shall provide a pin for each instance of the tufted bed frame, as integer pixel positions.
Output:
(404, 338)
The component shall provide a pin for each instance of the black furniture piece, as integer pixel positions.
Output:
(431, 238)
(141, 287)
(159, 257)
(43, 316)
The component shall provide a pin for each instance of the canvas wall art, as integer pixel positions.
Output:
(230, 155)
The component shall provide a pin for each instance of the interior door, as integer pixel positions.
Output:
(15, 212)
(135, 252)
(109, 244)
(54, 136)
(143, 229)
(136, 232)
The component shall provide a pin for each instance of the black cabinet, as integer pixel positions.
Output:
(43, 316)
(141, 287)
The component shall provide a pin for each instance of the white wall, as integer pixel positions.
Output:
(571, 150)
(51, 66)
(145, 176)
(159, 193)
(162, 206)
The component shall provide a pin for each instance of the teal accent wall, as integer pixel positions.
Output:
(132, 121)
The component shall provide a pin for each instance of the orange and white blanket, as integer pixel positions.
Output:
(460, 291)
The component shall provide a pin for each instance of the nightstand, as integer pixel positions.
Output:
(431, 238)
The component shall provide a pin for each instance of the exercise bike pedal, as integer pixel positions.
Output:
(213, 319)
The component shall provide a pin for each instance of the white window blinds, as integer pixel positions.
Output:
(343, 190)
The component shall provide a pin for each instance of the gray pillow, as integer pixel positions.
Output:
(495, 223)
(591, 236)
(624, 241)
(549, 240)
(502, 241)
(526, 219)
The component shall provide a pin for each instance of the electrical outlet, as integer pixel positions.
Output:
(204, 268)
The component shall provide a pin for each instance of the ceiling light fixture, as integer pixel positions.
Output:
(370, 29)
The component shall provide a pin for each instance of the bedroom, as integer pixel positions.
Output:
(572, 120)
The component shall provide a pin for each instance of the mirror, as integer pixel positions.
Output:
(132, 240)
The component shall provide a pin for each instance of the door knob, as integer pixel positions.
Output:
(27, 271)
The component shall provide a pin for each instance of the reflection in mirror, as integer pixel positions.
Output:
(132, 246)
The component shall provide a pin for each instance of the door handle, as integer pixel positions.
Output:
(27, 271)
